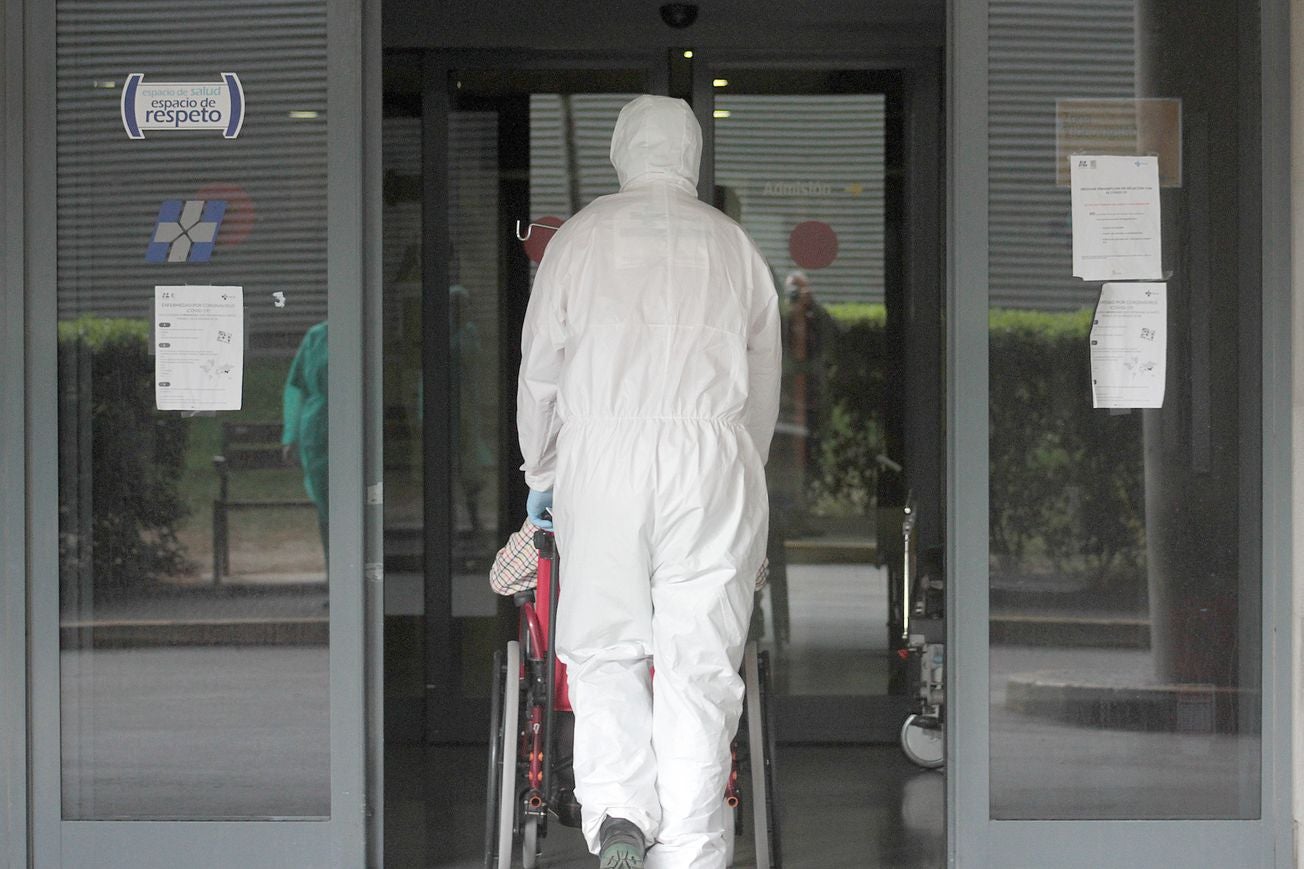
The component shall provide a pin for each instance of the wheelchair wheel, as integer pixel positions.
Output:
(530, 844)
(730, 833)
(923, 741)
(510, 733)
(495, 761)
(760, 750)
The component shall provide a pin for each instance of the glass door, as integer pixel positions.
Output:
(814, 163)
(1111, 695)
(833, 171)
(507, 146)
(197, 612)
(842, 149)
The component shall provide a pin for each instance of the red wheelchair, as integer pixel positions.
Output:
(530, 692)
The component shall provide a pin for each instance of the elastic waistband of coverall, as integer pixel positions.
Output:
(591, 422)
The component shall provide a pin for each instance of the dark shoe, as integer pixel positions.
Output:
(622, 845)
(566, 807)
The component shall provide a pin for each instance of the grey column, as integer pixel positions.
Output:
(968, 746)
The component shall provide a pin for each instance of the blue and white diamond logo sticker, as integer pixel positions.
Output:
(186, 231)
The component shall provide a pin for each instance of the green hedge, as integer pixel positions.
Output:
(855, 385)
(1066, 480)
(120, 460)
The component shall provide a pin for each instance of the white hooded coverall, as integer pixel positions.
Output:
(648, 393)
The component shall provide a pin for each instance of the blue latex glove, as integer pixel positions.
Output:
(536, 505)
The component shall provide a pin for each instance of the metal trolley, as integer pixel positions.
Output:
(923, 638)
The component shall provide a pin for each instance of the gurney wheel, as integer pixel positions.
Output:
(507, 802)
(923, 741)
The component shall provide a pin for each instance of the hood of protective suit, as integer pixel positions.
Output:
(657, 139)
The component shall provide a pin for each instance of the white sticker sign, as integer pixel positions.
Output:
(1116, 228)
(198, 347)
(206, 105)
(1129, 346)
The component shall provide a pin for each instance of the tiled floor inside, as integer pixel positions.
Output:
(857, 807)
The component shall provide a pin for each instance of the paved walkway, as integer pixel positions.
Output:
(233, 615)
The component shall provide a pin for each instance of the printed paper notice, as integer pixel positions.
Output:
(1116, 231)
(199, 347)
(1129, 346)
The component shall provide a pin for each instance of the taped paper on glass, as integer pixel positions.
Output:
(1129, 346)
(199, 347)
(1116, 228)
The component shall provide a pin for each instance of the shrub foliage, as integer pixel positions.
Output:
(120, 460)
(1066, 479)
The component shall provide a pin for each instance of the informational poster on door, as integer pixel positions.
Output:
(199, 347)
(1116, 226)
(1129, 345)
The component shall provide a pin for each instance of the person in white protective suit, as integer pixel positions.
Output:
(648, 393)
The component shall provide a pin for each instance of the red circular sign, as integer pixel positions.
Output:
(813, 244)
(238, 221)
(539, 237)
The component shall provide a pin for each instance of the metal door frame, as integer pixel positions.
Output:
(13, 437)
(832, 719)
(974, 839)
(354, 727)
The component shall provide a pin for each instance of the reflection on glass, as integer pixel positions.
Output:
(1125, 583)
(194, 659)
(535, 157)
(403, 394)
(304, 424)
(474, 300)
(805, 175)
(476, 189)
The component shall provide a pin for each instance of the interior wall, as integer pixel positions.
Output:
(582, 25)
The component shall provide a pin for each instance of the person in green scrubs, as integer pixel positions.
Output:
(303, 437)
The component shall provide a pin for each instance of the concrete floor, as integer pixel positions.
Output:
(189, 733)
(237, 732)
(196, 732)
(858, 807)
(1042, 768)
